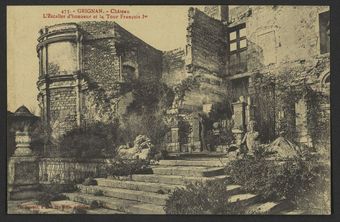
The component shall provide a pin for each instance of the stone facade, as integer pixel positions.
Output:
(81, 68)
(226, 51)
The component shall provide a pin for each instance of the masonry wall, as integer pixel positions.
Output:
(282, 40)
(206, 53)
(279, 34)
(107, 49)
(173, 67)
(62, 110)
(134, 52)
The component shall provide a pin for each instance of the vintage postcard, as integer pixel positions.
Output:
(202, 109)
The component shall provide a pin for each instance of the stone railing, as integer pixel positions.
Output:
(69, 170)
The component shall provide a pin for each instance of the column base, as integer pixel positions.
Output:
(23, 177)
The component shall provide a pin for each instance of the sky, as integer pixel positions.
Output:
(164, 28)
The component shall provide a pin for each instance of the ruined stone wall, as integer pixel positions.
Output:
(281, 40)
(206, 53)
(173, 67)
(279, 34)
(206, 36)
(219, 12)
(63, 110)
(136, 52)
(107, 48)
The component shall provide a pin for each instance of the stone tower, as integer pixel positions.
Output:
(81, 69)
(60, 85)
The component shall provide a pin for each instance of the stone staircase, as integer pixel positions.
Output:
(147, 193)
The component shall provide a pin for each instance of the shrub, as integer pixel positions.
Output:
(98, 193)
(201, 198)
(294, 180)
(53, 192)
(126, 167)
(89, 182)
(97, 140)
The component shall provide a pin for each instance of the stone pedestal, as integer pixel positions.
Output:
(23, 177)
(23, 170)
(238, 135)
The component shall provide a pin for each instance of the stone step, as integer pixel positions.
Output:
(293, 212)
(205, 163)
(120, 205)
(104, 202)
(145, 208)
(68, 206)
(268, 208)
(191, 171)
(141, 196)
(103, 211)
(234, 189)
(244, 199)
(175, 180)
(35, 208)
(137, 185)
(160, 188)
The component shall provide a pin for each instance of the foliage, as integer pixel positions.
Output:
(294, 180)
(149, 97)
(145, 114)
(185, 86)
(89, 182)
(284, 91)
(45, 199)
(53, 192)
(95, 141)
(98, 193)
(127, 167)
(151, 125)
(201, 198)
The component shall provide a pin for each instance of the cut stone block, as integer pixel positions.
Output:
(175, 180)
(137, 185)
(104, 202)
(204, 163)
(145, 197)
(188, 171)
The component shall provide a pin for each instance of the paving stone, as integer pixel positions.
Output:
(68, 206)
(103, 211)
(146, 209)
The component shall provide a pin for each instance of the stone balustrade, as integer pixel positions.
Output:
(67, 170)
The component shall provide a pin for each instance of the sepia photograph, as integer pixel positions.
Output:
(169, 110)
